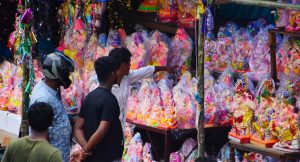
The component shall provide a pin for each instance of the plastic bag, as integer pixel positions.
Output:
(209, 80)
(223, 96)
(133, 106)
(209, 106)
(231, 28)
(187, 16)
(242, 107)
(260, 60)
(210, 46)
(114, 40)
(159, 48)
(147, 155)
(128, 134)
(224, 154)
(137, 46)
(224, 49)
(266, 112)
(15, 100)
(168, 11)
(188, 146)
(92, 47)
(101, 48)
(243, 48)
(181, 48)
(185, 105)
(287, 120)
(73, 96)
(135, 148)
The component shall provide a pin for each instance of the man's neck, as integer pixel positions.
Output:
(106, 86)
(52, 84)
(39, 135)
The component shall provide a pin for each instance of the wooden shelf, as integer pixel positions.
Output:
(292, 34)
(265, 151)
(163, 130)
(150, 20)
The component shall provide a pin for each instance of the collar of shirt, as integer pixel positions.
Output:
(49, 89)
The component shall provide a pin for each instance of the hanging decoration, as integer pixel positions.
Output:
(149, 6)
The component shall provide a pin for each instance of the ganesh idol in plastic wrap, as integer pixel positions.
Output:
(259, 62)
(101, 48)
(73, 96)
(265, 115)
(224, 49)
(181, 48)
(224, 91)
(168, 11)
(210, 45)
(243, 49)
(169, 114)
(135, 148)
(243, 107)
(184, 102)
(137, 45)
(287, 126)
(187, 13)
(133, 106)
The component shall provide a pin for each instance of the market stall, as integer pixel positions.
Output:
(262, 61)
(231, 75)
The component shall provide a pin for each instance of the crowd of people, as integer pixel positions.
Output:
(99, 128)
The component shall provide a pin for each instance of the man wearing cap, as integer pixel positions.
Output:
(56, 70)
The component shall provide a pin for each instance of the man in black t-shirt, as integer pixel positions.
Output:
(98, 129)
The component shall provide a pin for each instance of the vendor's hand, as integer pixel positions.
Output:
(85, 154)
(76, 156)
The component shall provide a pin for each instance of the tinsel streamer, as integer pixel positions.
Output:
(70, 15)
(31, 77)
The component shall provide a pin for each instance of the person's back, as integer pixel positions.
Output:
(35, 147)
(94, 111)
(29, 150)
(98, 129)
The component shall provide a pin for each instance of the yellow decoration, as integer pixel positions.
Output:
(89, 66)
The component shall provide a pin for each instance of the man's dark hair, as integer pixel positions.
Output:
(104, 66)
(121, 54)
(40, 116)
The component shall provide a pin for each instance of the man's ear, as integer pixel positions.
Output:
(123, 65)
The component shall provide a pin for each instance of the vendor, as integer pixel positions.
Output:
(131, 76)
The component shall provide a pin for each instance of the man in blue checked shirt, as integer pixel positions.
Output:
(56, 70)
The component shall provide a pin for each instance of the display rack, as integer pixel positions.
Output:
(281, 155)
(166, 132)
(168, 138)
(272, 40)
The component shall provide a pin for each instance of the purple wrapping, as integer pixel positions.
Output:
(27, 16)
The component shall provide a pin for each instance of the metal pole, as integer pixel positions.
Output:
(25, 95)
(200, 75)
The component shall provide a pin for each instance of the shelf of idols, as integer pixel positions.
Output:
(281, 155)
(151, 21)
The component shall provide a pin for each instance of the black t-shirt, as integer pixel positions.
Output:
(102, 105)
